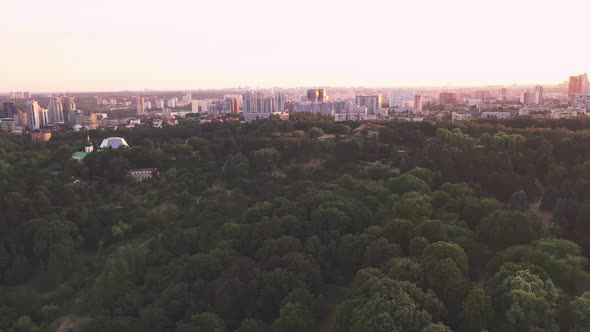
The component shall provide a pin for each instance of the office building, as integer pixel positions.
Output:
(313, 95)
(194, 106)
(448, 98)
(140, 105)
(8, 110)
(371, 102)
(56, 111)
(148, 105)
(33, 109)
(418, 104)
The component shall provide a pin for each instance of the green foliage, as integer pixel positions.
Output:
(505, 228)
(477, 313)
(383, 304)
(581, 309)
(412, 205)
(259, 226)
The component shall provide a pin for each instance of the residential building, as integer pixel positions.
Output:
(33, 109)
(235, 105)
(140, 105)
(448, 98)
(142, 174)
(194, 106)
(372, 102)
(579, 84)
(43, 117)
(8, 110)
(56, 111)
(418, 100)
(400, 98)
(7, 124)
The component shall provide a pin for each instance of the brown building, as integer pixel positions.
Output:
(235, 106)
(448, 98)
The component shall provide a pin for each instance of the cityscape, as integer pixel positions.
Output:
(26, 111)
(294, 166)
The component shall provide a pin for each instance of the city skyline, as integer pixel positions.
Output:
(225, 44)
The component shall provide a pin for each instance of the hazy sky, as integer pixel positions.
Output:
(76, 45)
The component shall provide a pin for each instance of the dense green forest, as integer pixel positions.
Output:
(300, 225)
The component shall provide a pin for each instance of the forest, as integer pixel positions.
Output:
(300, 225)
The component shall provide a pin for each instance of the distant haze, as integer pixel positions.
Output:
(63, 45)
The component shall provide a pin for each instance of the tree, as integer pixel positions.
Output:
(506, 228)
(203, 322)
(581, 309)
(379, 251)
(315, 132)
(478, 312)
(265, 160)
(407, 183)
(383, 304)
(412, 205)
(524, 300)
(439, 327)
(417, 246)
(294, 317)
(448, 283)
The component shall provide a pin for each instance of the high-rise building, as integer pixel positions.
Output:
(259, 102)
(313, 95)
(187, 98)
(69, 104)
(371, 102)
(269, 105)
(538, 95)
(194, 106)
(397, 98)
(8, 110)
(322, 95)
(248, 102)
(483, 94)
(235, 106)
(33, 109)
(584, 85)
(575, 85)
(140, 105)
(148, 105)
(172, 102)
(579, 84)
(280, 98)
(418, 104)
(56, 110)
(160, 104)
(43, 117)
(448, 98)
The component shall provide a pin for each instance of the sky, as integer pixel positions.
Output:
(107, 45)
